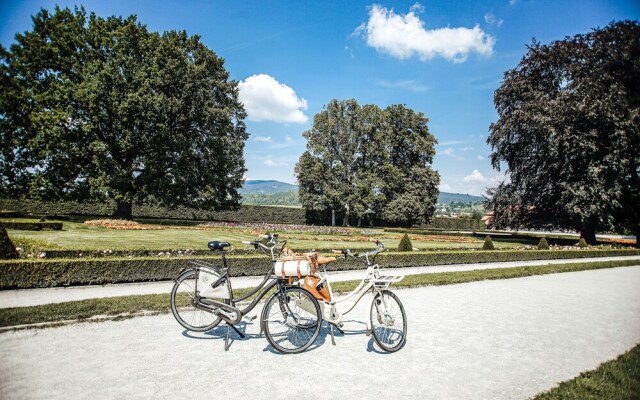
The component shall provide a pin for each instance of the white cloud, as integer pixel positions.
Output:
(491, 19)
(409, 85)
(512, 2)
(479, 157)
(274, 163)
(444, 187)
(264, 139)
(404, 36)
(449, 152)
(467, 148)
(266, 99)
(475, 176)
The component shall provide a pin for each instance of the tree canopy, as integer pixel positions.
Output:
(95, 108)
(365, 162)
(569, 134)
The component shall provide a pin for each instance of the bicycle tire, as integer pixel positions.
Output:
(291, 334)
(386, 310)
(190, 317)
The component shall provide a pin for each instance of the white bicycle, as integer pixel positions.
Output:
(387, 320)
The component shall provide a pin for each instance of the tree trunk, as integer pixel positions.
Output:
(333, 217)
(345, 220)
(589, 235)
(359, 222)
(637, 233)
(123, 210)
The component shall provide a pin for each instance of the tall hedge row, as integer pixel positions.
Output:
(280, 215)
(455, 224)
(32, 273)
(32, 225)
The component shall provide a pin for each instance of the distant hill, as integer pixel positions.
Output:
(458, 197)
(267, 187)
(273, 192)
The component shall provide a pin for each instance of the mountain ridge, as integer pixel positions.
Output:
(272, 187)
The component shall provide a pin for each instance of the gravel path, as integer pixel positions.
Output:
(507, 339)
(33, 297)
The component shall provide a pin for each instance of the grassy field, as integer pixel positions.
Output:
(76, 235)
(617, 379)
(160, 302)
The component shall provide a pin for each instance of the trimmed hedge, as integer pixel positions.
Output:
(280, 215)
(32, 225)
(33, 273)
(455, 223)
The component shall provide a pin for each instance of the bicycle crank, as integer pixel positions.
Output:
(230, 314)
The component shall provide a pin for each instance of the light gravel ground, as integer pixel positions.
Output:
(507, 339)
(33, 297)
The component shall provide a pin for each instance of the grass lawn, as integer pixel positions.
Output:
(617, 379)
(78, 236)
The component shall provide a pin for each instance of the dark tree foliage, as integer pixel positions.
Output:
(569, 134)
(369, 163)
(7, 249)
(94, 108)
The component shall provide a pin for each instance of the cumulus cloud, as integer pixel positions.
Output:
(475, 176)
(449, 152)
(405, 36)
(263, 139)
(444, 187)
(491, 19)
(479, 157)
(275, 163)
(266, 99)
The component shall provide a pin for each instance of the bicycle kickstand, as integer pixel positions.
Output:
(333, 339)
(226, 340)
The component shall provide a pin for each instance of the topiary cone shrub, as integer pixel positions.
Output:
(488, 244)
(7, 249)
(543, 245)
(405, 244)
(582, 243)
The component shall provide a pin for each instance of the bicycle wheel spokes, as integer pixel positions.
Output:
(183, 298)
(388, 321)
(292, 320)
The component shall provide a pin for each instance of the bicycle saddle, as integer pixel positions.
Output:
(215, 245)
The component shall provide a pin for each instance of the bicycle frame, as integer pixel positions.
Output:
(372, 282)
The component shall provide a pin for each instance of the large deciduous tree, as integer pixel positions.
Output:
(569, 134)
(94, 108)
(365, 162)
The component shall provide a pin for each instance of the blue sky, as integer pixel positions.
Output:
(443, 58)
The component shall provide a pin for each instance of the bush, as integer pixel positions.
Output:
(405, 244)
(32, 273)
(582, 243)
(468, 224)
(543, 245)
(32, 225)
(283, 215)
(488, 244)
(7, 249)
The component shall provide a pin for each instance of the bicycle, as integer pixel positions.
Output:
(202, 297)
(387, 320)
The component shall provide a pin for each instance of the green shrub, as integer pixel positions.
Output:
(282, 215)
(32, 273)
(582, 243)
(468, 224)
(31, 225)
(7, 249)
(543, 245)
(405, 244)
(488, 244)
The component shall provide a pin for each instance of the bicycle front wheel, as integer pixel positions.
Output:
(291, 320)
(183, 304)
(388, 321)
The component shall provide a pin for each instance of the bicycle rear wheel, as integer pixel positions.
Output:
(183, 300)
(291, 320)
(388, 321)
